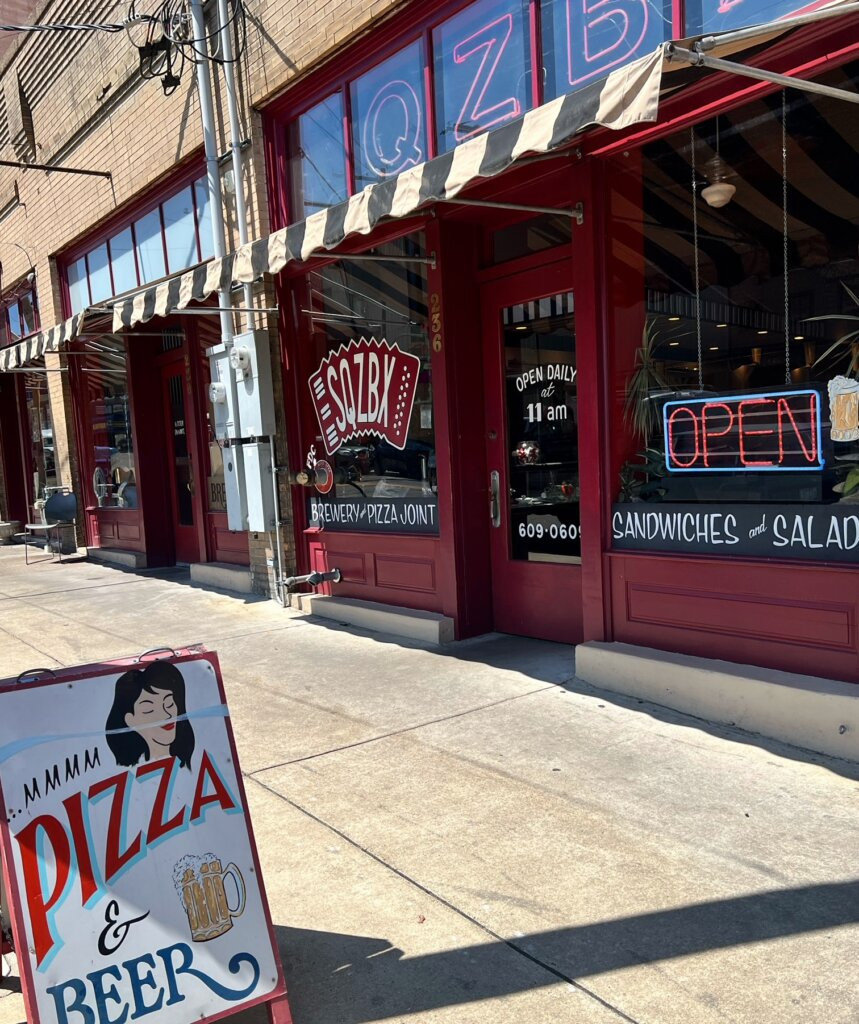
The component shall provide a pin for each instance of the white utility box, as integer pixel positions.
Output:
(236, 491)
(250, 360)
(259, 487)
(220, 393)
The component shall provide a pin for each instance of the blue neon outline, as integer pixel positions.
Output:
(746, 469)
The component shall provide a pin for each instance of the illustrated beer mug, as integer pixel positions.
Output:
(200, 881)
(844, 408)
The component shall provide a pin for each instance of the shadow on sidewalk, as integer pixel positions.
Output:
(355, 979)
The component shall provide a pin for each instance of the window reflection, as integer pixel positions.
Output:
(180, 231)
(759, 378)
(350, 300)
(40, 450)
(482, 70)
(389, 133)
(122, 262)
(585, 42)
(318, 166)
(114, 480)
(150, 246)
(76, 277)
(99, 274)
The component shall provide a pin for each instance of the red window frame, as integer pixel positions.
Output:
(151, 200)
(400, 32)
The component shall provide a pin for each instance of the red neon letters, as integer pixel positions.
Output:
(602, 34)
(779, 431)
(473, 118)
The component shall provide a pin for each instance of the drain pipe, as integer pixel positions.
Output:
(213, 179)
(226, 44)
(226, 47)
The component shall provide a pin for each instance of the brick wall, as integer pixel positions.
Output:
(78, 100)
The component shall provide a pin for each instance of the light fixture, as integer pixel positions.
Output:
(721, 325)
(673, 318)
(720, 191)
(799, 337)
(763, 332)
(673, 344)
(521, 327)
(714, 348)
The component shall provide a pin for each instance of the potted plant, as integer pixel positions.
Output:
(639, 413)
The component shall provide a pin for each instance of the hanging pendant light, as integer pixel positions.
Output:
(720, 191)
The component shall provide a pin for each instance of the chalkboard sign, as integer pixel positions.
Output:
(374, 515)
(823, 533)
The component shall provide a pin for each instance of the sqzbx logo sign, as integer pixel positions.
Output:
(365, 387)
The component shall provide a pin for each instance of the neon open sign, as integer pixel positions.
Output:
(753, 432)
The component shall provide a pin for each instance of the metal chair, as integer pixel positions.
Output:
(60, 513)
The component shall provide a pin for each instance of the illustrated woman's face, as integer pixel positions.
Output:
(150, 717)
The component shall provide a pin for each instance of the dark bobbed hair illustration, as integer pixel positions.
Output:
(127, 744)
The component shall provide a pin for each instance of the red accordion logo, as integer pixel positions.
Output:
(365, 387)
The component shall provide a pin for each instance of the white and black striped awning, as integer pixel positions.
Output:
(628, 96)
(34, 347)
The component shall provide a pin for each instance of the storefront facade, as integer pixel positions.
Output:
(27, 448)
(586, 402)
(151, 471)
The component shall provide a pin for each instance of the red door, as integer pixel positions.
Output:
(533, 458)
(180, 474)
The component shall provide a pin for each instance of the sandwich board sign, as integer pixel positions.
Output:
(132, 876)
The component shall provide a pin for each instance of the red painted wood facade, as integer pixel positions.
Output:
(783, 614)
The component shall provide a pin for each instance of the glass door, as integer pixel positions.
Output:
(181, 471)
(533, 457)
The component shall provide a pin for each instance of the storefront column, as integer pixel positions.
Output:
(590, 262)
(459, 387)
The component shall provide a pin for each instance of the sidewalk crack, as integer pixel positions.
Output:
(513, 946)
(400, 732)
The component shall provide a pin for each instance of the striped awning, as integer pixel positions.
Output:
(628, 96)
(34, 347)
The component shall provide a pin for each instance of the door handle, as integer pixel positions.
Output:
(495, 498)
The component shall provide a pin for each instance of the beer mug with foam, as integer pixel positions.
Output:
(200, 882)
(844, 408)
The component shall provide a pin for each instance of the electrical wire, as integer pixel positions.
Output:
(168, 43)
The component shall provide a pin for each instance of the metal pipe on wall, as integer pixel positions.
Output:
(228, 65)
(227, 54)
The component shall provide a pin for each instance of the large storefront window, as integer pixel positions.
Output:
(108, 413)
(389, 132)
(743, 400)
(482, 66)
(167, 239)
(40, 449)
(370, 387)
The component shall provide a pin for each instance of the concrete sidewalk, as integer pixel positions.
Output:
(470, 835)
